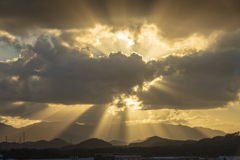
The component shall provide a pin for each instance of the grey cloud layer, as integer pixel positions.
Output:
(49, 72)
(229, 40)
(61, 75)
(191, 92)
(200, 81)
(23, 110)
(175, 19)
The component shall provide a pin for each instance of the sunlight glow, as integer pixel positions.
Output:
(124, 103)
(146, 85)
(66, 113)
(147, 40)
(15, 78)
(111, 126)
(126, 37)
(9, 36)
(150, 34)
(93, 36)
(103, 126)
(17, 122)
(133, 103)
(195, 41)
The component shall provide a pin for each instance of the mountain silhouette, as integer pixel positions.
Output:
(78, 133)
(57, 143)
(227, 140)
(158, 141)
(138, 140)
(118, 143)
(173, 143)
(90, 144)
(227, 145)
(42, 144)
(148, 142)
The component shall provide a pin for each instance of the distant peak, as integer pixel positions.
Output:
(154, 137)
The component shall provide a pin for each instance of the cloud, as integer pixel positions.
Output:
(21, 109)
(169, 116)
(198, 81)
(121, 58)
(179, 19)
(51, 72)
(54, 73)
(183, 117)
(17, 122)
(7, 39)
(227, 40)
(142, 37)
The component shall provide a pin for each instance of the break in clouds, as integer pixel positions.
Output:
(52, 69)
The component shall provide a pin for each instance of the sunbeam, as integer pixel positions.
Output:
(66, 113)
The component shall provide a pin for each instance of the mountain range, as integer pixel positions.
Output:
(57, 143)
(75, 133)
(158, 141)
(42, 144)
(229, 140)
(227, 145)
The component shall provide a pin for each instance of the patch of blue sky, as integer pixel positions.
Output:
(8, 53)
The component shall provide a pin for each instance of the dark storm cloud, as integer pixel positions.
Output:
(229, 40)
(219, 63)
(23, 109)
(174, 18)
(49, 72)
(191, 92)
(57, 74)
(198, 81)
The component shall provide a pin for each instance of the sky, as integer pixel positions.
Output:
(104, 62)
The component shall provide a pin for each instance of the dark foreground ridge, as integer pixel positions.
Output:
(42, 144)
(57, 143)
(228, 145)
